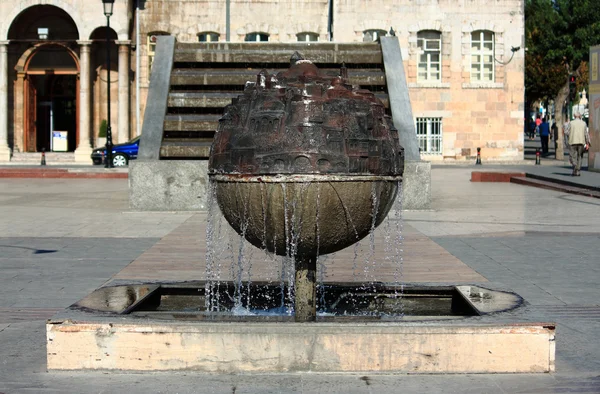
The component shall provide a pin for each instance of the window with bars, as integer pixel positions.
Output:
(482, 56)
(208, 36)
(307, 36)
(429, 135)
(429, 43)
(256, 36)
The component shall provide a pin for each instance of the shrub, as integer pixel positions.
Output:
(103, 127)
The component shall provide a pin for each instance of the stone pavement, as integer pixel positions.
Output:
(62, 238)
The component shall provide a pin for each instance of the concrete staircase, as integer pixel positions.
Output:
(35, 158)
(206, 76)
(192, 83)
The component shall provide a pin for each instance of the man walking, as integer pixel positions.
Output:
(579, 139)
(544, 135)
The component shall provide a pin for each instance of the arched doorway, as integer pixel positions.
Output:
(50, 97)
(44, 40)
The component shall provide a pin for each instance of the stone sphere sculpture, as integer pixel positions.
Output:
(304, 164)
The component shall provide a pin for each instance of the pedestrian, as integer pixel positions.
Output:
(538, 122)
(544, 129)
(579, 142)
(531, 129)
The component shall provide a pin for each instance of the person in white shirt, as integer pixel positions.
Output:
(579, 142)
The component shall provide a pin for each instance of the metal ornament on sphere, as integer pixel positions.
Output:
(304, 165)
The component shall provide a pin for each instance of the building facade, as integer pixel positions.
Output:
(463, 60)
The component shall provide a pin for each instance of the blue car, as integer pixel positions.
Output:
(121, 153)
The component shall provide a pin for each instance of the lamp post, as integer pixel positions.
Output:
(108, 10)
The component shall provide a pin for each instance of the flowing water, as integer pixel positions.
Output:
(230, 258)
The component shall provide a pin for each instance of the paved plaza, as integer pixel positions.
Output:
(62, 238)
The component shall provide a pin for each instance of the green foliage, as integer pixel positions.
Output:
(558, 34)
(103, 128)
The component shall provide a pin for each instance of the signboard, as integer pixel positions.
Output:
(594, 108)
(59, 141)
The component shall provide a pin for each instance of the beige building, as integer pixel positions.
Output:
(465, 70)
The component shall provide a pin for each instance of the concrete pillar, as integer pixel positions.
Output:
(124, 110)
(19, 114)
(4, 149)
(84, 148)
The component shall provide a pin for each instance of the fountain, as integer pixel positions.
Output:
(303, 165)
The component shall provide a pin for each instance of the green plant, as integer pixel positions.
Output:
(103, 127)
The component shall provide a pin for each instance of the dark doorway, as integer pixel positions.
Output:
(55, 125)
(64, 115)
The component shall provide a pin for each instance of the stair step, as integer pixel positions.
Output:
(246, 53)
(201, 99)
(545, 184)
(198, 148)
(191, 122)
(36, 157)
(219, 77)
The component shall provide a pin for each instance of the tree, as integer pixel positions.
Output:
(558, 34)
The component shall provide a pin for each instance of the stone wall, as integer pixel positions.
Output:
(485, 115)
(489, 116)
(87, 15)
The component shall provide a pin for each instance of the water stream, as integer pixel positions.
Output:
(252, 268)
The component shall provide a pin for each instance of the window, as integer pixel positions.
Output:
(429, 43)
(257, 37)
(152, 49)
(373, 34)
(208, 36)
(482, 56)
(307, 36)
(429, 135)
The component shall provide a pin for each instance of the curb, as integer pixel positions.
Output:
(61, 173)
(535, 180)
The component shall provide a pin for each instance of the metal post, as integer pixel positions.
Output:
(137, 69)
(227, 20)
(109, 144)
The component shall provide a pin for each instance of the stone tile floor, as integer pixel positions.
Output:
(61, 239)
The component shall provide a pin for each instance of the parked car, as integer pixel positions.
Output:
(121, 153)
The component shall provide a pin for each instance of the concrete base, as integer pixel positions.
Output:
(175, 185)
(4, 154)
(300, 347)
(83, 155)
(416, 185)
(182, 185)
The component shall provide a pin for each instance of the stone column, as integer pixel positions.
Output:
(84, 148)
(124, 109)
(19, 114)
(4, 149)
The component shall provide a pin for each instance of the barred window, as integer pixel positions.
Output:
(257, 36)
(482, 56)
(429, 135)
(208, 36)
(429, 43)
(307, 36)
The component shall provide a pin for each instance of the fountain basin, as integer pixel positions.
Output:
(152, 327)
(313, 214)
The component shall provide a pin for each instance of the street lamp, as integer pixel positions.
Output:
(108, 10)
